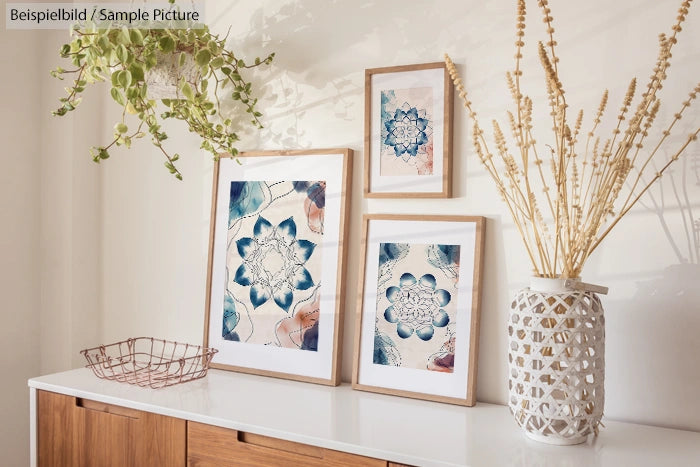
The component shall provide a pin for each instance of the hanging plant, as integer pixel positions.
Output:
(204, 75)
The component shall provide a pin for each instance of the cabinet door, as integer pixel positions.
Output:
(211, 446)
(81, 432)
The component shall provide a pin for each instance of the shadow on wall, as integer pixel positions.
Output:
(323, 47)
(298, 82)
(684, 186)
(662, 318)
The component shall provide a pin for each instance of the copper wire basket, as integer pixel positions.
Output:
(149, 362)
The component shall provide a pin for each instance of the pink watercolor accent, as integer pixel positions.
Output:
(425, 166)
(290, 331)
(444, 360)
(314, 214)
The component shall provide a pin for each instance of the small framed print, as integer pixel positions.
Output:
(418, 313)
(408, 131)
(277, 249)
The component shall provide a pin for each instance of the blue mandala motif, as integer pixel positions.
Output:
(407, 130)
(417, 306)
(274, 263)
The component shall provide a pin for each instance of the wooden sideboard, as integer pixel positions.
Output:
(73, 431)
(237, 419)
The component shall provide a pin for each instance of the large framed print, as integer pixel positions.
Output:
(418, 312)
(276, 263)
(408, 131)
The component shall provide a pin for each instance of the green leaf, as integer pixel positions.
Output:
(166, 44)
(115, 78)
(104, 44)
(136, 36)
(204, 85)
(122, 53)
(183, 57)
(129, 58)
(65, 50)
(131, 93)
(124, 79)
(117, 96)
(202, 57)
(217, 62)
(137, 71)
(150, 60)
(103, 154)
(125, 36)
(187, 91)
(226, 70)
(121, 128)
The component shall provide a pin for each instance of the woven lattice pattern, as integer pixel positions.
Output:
(557, 364)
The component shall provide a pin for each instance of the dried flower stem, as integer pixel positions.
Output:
(586, 193)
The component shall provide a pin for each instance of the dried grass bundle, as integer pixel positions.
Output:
(585, 183)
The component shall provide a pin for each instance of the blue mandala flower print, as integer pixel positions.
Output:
(274, 263)
(407, 130)
(416, 306)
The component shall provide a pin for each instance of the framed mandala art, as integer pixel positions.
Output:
(418, 315)
(408, 131)
(276, 256)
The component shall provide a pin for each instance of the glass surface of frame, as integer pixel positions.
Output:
(276, 265)
(408, 131)
(418, 313)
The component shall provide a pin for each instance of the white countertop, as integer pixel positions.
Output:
(402, 430)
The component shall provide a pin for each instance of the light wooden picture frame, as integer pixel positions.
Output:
(417, 323)
(408, 132)
(277, 250)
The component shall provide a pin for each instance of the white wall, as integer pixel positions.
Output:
(49, 206)
(19, 242)
(124, 245)
(69, 216)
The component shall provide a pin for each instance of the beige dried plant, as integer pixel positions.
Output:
(566, 199)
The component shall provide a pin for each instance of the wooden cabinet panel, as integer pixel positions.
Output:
(80, 432)
(210, 446)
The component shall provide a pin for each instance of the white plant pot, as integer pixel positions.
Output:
(162, 79)
(556, 360)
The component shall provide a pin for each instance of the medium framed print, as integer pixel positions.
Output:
(408, 131)
(276, 255)
(418, 312)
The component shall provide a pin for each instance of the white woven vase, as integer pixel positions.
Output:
(556, 361)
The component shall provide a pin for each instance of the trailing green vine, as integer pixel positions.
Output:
(126, 56)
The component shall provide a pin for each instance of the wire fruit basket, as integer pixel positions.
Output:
(149, 362)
